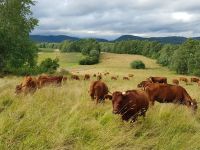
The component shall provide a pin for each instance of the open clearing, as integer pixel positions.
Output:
(66, 118)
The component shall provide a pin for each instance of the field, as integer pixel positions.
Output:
(66, 118)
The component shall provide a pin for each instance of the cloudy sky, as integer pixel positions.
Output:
(112, 18)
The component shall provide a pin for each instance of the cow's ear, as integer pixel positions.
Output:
(108, 97)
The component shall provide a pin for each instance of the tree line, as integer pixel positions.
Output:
(183, 58)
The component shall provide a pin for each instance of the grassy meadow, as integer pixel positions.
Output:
(65, 118)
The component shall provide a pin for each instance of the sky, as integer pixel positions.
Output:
(113, 18)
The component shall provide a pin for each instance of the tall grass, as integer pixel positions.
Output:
(66, 118)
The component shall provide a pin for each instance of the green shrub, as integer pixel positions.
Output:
(94, 53)
(138, 64)
(89, 61)
(49, 65)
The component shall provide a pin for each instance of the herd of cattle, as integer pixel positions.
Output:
(129, 104)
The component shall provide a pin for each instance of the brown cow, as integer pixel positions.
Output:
(194, 80)
(158, 79)
(28, 85)
(98, 90)
(175, 81)
(48, 80)
(125, 78)
(143, 84)
(87, 77)
(166, 93)
(183, 79)
(64, 78)
(130, 75)
(75, 77)
(107, 73)
(129, 104)
(113, 78)
(99, 77)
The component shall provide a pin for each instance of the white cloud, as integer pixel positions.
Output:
(182, 16)
(103, 18)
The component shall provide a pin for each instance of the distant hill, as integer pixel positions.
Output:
(52, 38)
(129, 37)
(170, 39)
(60, 38)
(164, 40)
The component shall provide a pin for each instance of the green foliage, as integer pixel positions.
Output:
(94, 53)
(137, 64)
(49, 65)
(186, 59)
(49, 45)
(89, 61)
(16, 22)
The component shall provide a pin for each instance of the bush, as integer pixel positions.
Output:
(138, 64)
(94, 53)
(49, 65)
(89, 61)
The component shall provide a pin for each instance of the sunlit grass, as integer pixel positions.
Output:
(66, 118)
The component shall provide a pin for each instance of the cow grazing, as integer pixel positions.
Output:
(99, 77)
(28, 85)
(75, 77)
(166, 93)
(130, 75)
(157, 79)
(64, 78)
(125, 78)
(107, 73)
(194, 80)
(49, 80)
(87, 77)
(143, 84)
(175, 82)
(113, 78)
(183, 79)
(129, 104)
(98, 90)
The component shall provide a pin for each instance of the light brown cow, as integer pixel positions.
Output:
(130, 75)
(194, 80)
(98, 90)
(87, 77)
(107, 73)
(175, 81)
(99, 77)
(75, 77)
(113, 78)
(125, 78)
(183, 79)
(28, 85)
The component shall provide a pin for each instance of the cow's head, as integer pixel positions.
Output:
(192, 104)
(117, 101)
(18, 89)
